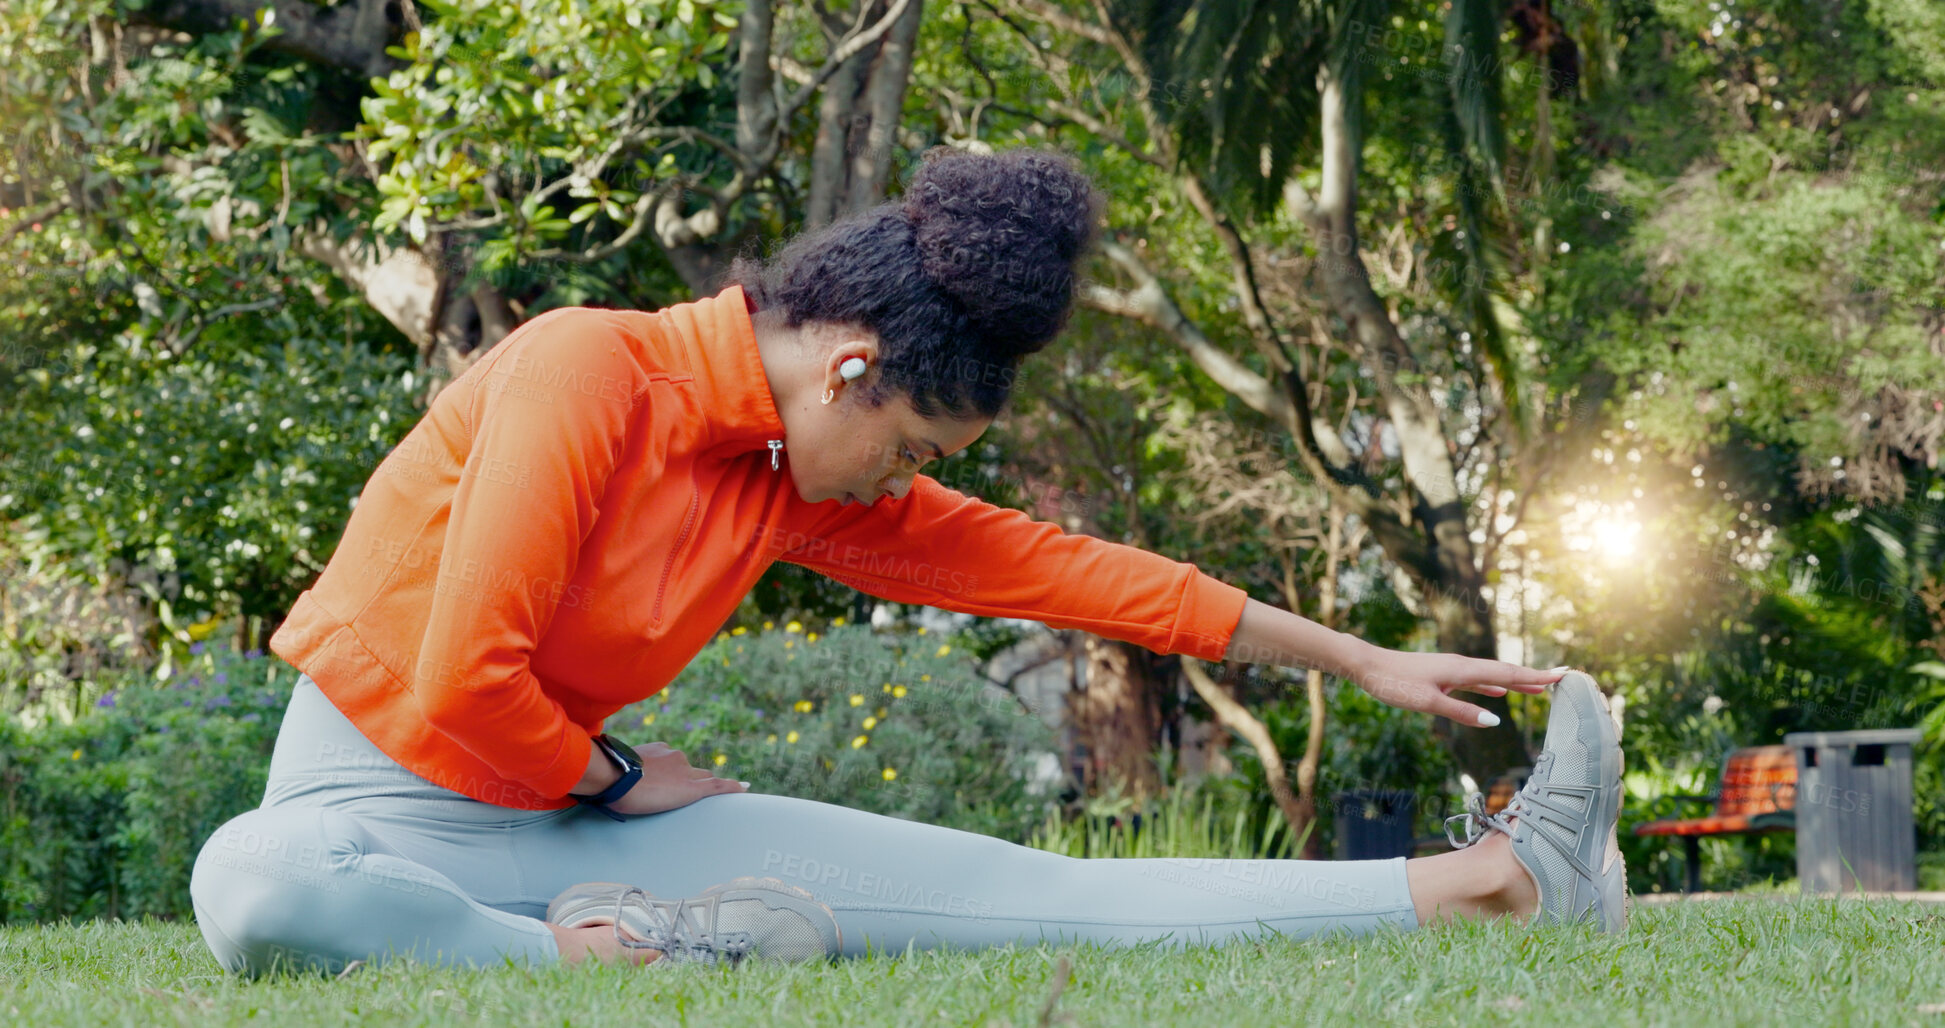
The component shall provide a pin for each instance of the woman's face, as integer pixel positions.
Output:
(850, 451)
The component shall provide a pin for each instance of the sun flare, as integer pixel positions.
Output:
(1615, 538)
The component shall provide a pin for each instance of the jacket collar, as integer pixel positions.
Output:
(729, 369)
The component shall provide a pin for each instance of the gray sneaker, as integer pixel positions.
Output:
(1562, 822)
(748, 917)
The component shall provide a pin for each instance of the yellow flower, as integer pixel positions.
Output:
(739, 649)
(811, 638)
(837, 622)
(649, 720)
(790, 644)
(725, 661)
(720, 636)
(794, 626)
(803, 706)
(890, 774)
(738, 630)
(857, 743)
(880, 713)
(857, 699)
(772, 738)
(720, 759)
(887, 686)
(76, 755)
(943, 650)
(870, 723)
(767, 625)
(921, 629)
(925, 678)
(898, 691)
(792, 737)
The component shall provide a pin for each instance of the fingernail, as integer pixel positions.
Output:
(1561, 670)
(1488, 719)
(744, 784)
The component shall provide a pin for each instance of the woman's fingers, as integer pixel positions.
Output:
(1479, 673)
(1462, 712)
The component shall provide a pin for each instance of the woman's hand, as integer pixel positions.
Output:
(1424, 682)
(1413, 681)
(669, 782)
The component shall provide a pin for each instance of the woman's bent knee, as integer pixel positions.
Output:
(264, 891)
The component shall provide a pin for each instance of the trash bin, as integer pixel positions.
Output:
(1375, 824)
(1853, 810)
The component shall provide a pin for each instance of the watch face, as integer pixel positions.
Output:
(622, 752)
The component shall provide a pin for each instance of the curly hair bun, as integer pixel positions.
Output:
(1000, 234)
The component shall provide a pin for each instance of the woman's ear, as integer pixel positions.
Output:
(850, 360)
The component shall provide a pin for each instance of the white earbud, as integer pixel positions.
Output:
(852, 368)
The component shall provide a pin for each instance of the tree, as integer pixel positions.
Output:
(199, 172)
(1222, 108)
(478, 126)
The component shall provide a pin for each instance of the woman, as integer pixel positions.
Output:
(576, 516)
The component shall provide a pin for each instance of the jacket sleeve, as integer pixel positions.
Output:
(939, 547)
(544, 417)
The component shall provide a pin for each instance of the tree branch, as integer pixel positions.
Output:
(181, 346)
(883, 99)
(756, 100)
(846, 48)
(26, 218)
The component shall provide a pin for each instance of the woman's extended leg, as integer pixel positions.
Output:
(353, 856)
(896, 883)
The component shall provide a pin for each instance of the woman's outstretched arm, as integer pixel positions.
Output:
(1413, 681)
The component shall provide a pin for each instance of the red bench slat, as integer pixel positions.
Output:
(1756, 780)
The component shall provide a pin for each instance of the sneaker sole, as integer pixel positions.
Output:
(583, 904)
(776, 894)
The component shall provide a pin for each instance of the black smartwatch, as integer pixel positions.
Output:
(631, 772)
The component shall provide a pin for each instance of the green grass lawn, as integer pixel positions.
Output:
(1731, 962)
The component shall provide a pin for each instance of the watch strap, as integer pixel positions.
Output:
(631, 772)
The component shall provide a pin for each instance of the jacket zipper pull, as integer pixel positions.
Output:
(776, 448)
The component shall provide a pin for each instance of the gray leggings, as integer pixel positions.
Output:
(353, 857)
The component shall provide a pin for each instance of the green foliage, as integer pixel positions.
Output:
(1203, 818)
(191, 408)
(903, 726)
(216, 482)
(104, 816)
(498, 88)
(1367, 746)
(1754, 281)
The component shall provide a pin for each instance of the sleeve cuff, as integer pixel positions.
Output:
(1211, 609)
(568, 765)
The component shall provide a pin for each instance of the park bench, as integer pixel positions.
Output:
(1503, 788)
(1757, 794)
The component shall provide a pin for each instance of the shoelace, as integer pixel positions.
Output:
(671, 935)
(1477, 822)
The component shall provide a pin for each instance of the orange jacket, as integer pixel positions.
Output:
(580, 512)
